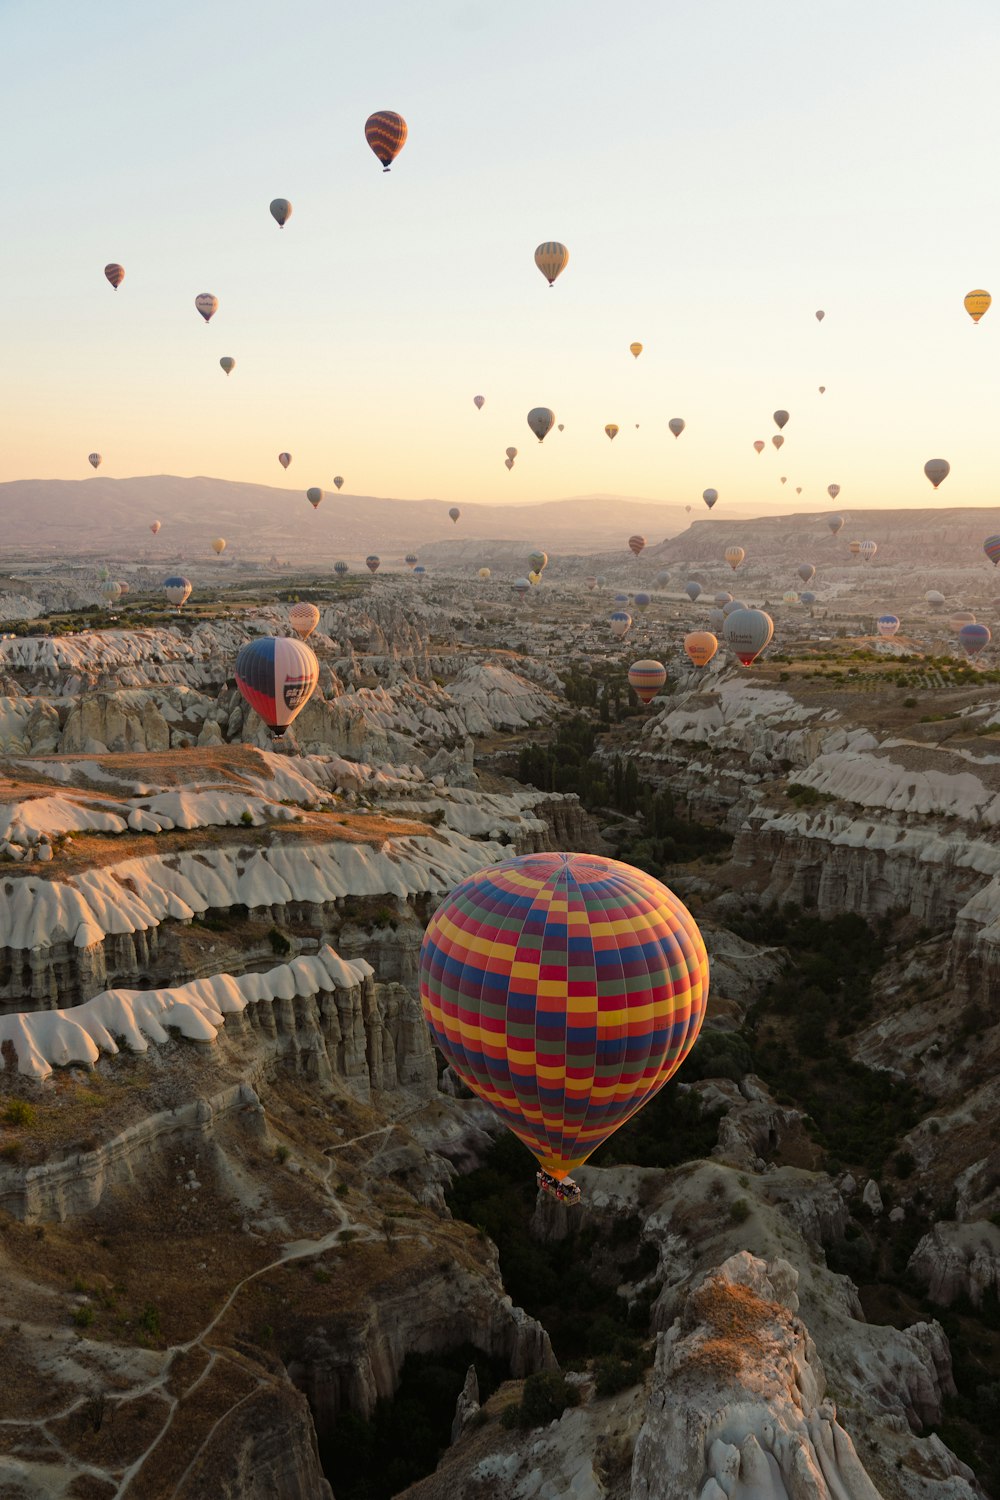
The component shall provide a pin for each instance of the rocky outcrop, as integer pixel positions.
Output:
(265, 1449)
(958, 1260)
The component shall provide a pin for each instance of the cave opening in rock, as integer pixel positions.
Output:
(375, 1458)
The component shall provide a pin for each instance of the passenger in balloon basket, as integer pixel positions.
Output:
(566, 1191)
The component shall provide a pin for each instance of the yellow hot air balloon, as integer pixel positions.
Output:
(484, 574)
(551, 258)
(219, 546)
(635, 350)
(977, 303)
(701, 646)
(612, 430)
(534, 578)
(734, 556)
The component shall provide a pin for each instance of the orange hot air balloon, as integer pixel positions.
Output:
(386, 132)
(219, 546)
(612, 430)
(701, 646)
(635, 350)
(977, 303)
(115, 274)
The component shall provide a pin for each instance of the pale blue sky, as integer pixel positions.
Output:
(718, 169)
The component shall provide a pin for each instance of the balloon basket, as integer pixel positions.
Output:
(564, 1191)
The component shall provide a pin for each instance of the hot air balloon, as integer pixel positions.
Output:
(372, 562)
(687, 510)
(122, 587)
(791, 597)
(777, 440)
(692, 590)
(177, 589)
(551, 258)
(887, 625)
(835, 523)
(538, 560)
(111, 592)
(868, 551)
(934, 598)
(798, 489)
(806, 572)
(642, 602)
(562, 426)
(635, 350)
(601, 580)
(621, 623)
(411, 559)
(564, 1024)
(479, 402)
(780, 418)
(722, 598)
(662, 578)
(508, 463)
(820, 316)
(821, 389)
(732, 606)
(154, 526)
(591, 582)
(281, 211)
(219, 546)
(747, 632)
(854, 548)
(338, 481)
(94, 460)
(454, 512)
(534, 578)
(419, 572)
(807, 597)
(716, 620)
(734, 556)
(700, 646)
(612, 430)
(937, 470)
(484, 575)
(303, 619)
(833, 490)
(991, 547)
(277, 676)
(511, 454)
(645, 678)
(959, 618)
(207, 305)
(977, 303)
(676, 425)
(284, 459)
(621, 598)
(540, 420)
(314, 496)
(521, 587)
(784, 478)
(636, 544)
(974, 638)
(228, 363)
(385, 132)
(341, 568)
(710, 497)
(115, 273)
(759, 446)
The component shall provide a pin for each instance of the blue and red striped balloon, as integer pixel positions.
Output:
(564, 990)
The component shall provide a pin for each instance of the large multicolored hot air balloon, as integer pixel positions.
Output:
(636, 544)
(540, 420)
(700, 646)
(676, 425)
(277, 676)
(314, 496)
(94, 460)
(177, 589)
(974, 638)
(612, 430)
(806, 572)
(564, 990)
(303, 618)
(284, 459)
(228, 363)
(887, 625)
(937, 470)
(710, 497)
(635, 350)
(621, 624)
(645, 678)
(479, 402)
(835, 523)
(780, 418)
(977, 303)
(281, 211)
(868, 551)
(759, 446)
(338, 481)
(372, 562)
(551, 258)
(385, 132)
(734, 556)
(154, 526)
(692, 590)
(747, 632)
(207, 305)
(991, 547)
(219, 546)
(115, 273)
(454, 512)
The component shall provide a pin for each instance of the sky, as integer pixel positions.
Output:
(718, 170)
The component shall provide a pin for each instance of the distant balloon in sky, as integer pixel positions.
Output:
(341, 569)
(508, 463)
(759, 446)
(207, 305)
(645, 678)
(115, 274)
(780, 418)
(734, 556)
(479, 402)
(385, 132)
(937, 470)
(991, 547)
(676, 425)
(833, 490)
(454, 512)
(974, 638)
(977, 303)
(303, 619)
(887, 625)
(177, 588)
(277, 676)
(372, 563)
(821, 389)
(228, 363)
(710, 497)
(612, 430)
(806, 572)
(540, 420)
(551, 258)
(284, 459)
(747, 632)
(411, 559)
(835, 523)
(219, 546)
(621, 623)
(784, 478)
(868, 550)
(636, 544)
(512, 453)
(777, 440)
(635, 350)
(562, 426)
(798, 489)
(281, 211)
(154, 526)
(314, 496)
(820, 315)
(94, 460)
(338, 481)
(701, 646)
